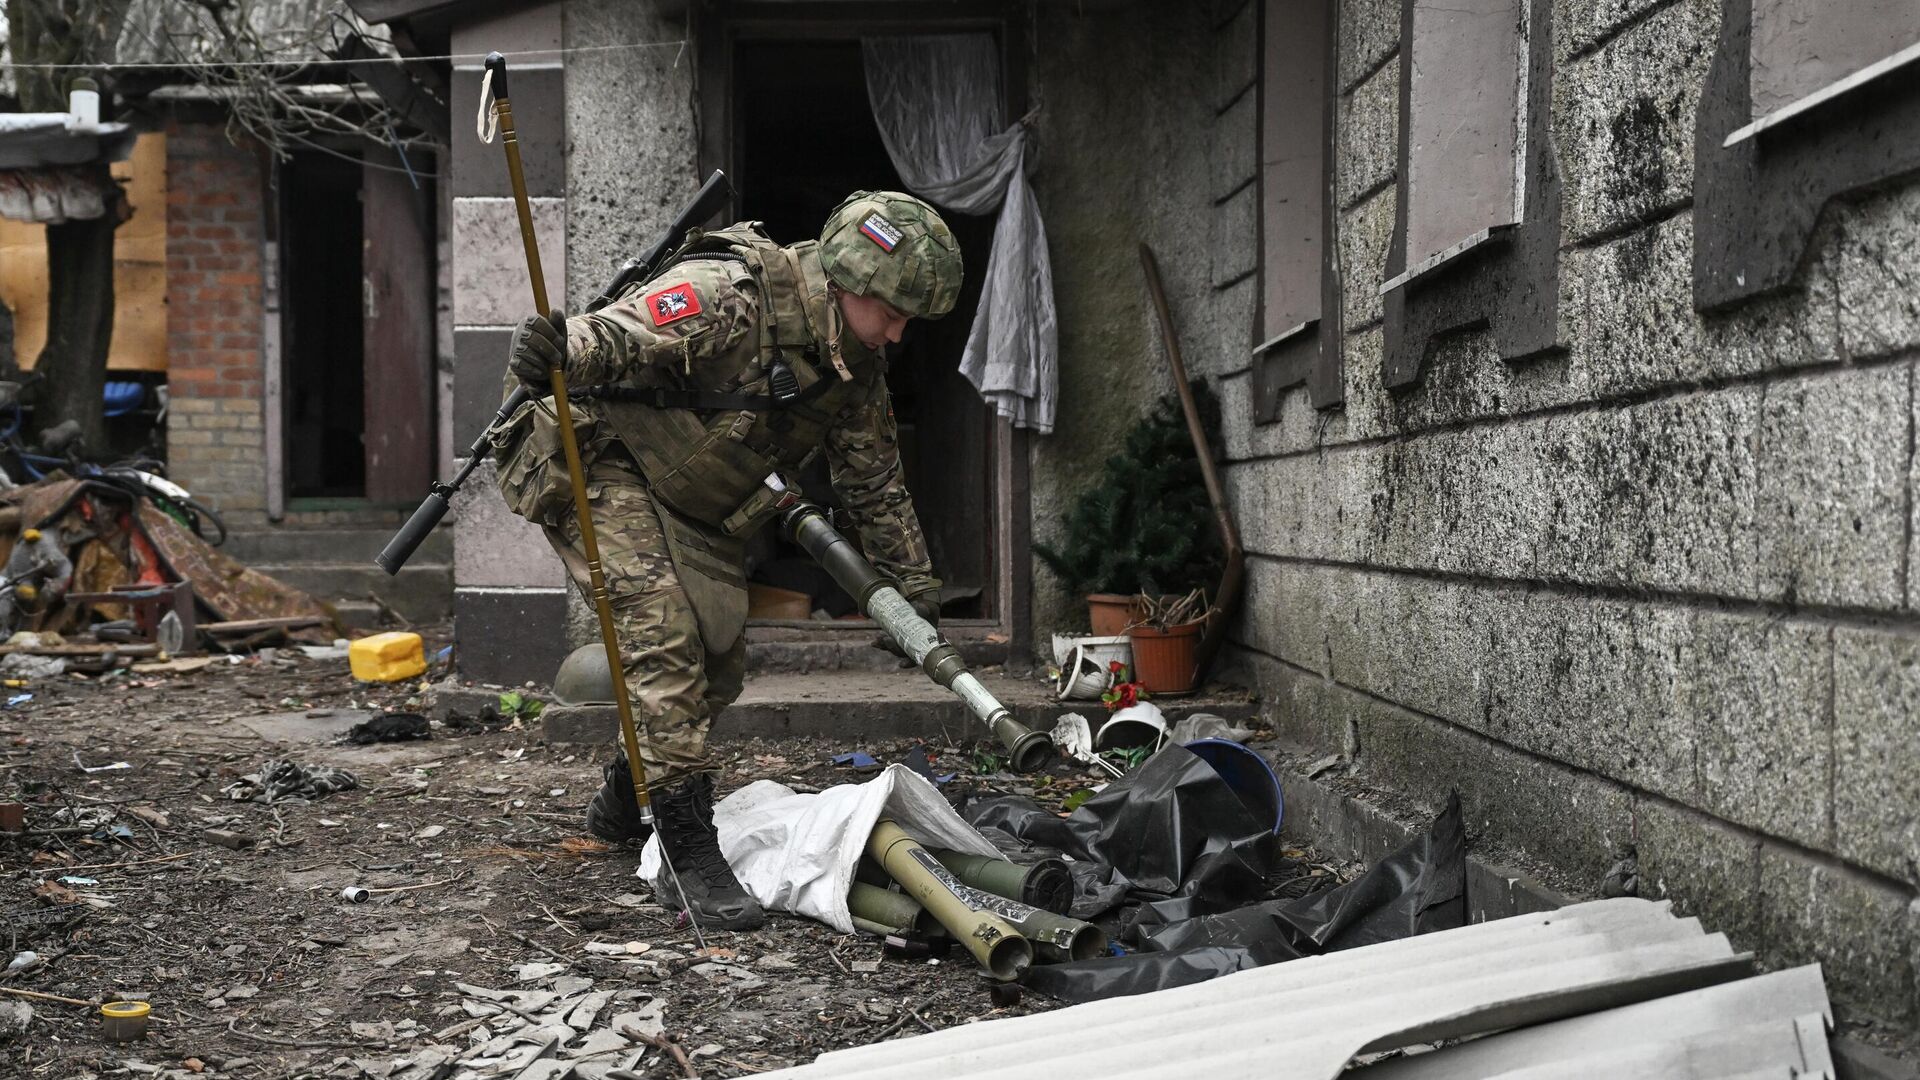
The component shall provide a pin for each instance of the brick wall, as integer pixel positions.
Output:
(1654, 592)
(215, 374)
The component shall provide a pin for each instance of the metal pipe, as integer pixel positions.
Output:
(1044, 883)
(993, 942)
(1055, 938)
(807, 524)
(889, 908)
(1058, 939)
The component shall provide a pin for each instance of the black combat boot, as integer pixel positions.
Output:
(613, 815)
(707, 885)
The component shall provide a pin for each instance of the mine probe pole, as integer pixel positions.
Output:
(582, 506)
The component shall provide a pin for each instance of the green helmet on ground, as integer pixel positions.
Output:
(582, 678)
(895, 248)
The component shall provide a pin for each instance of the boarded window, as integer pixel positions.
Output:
(1806, 101)
(1298, 326)
(1293, 146)
(1801, 47)
(1477, 233)
(1463, 165)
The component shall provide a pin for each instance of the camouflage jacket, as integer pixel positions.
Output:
(703, 324)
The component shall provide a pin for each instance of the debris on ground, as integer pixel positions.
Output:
(257, 964)
(390, 727)
(281, 780)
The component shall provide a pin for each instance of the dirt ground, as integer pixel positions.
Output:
(487, 896)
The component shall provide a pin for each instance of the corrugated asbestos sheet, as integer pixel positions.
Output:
(1610, 988)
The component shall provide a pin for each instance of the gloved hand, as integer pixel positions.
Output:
(539, 343)
(927, 606)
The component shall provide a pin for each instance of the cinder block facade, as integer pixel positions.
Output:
(510, 594)
(1650, 590)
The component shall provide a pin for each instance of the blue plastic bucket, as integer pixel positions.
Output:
(1247, 773)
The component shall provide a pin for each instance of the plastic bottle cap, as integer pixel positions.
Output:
(31, 536)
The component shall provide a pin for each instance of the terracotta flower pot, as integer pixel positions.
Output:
(1165, 660)
(1110, 613)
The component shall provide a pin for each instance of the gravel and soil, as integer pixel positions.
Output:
(152, 883)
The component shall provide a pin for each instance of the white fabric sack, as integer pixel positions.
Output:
(936, 100)
(796, 853)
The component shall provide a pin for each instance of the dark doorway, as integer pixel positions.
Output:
(323, 369)
(804, 138)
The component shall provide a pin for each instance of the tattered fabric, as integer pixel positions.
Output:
(936, 99)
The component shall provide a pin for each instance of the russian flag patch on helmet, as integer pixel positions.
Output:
(673, 303)
(880, 231)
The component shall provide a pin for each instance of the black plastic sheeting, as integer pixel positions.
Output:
(1174, 866)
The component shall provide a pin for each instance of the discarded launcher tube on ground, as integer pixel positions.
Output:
(1004, 935)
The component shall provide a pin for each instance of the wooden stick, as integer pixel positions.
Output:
(38, 996)
(246, 626)
(134, 651)
(532, 944)
(118, 865)
(663, 1042)
(1227, 594)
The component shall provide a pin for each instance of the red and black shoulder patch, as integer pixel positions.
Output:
(673, 303)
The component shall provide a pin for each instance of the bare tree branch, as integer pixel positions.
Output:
(253, 57)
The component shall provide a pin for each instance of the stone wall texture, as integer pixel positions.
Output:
(1654, 593)
(215, 431)
(510, 595)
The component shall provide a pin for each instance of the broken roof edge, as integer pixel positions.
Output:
(376, 12)
(51, 140)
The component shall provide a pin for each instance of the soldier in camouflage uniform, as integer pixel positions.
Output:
(739, 359)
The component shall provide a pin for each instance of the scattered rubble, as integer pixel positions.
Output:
(478, 881)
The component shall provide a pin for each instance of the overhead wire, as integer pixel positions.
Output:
(523, 56)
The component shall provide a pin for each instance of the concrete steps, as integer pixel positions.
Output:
(335, 564)
(861, 705)
(771, 651)
(344, 544)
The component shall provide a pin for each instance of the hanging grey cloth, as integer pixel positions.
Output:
(936, 99)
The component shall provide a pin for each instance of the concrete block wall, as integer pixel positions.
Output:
(215, 430)
(510, 591)
(1655, 593)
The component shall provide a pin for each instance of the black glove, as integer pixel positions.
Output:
(927, 606)
(539, 344)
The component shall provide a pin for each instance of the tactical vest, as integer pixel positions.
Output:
(711, 465)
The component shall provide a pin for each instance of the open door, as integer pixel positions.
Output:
(790, 173)
(397, 313)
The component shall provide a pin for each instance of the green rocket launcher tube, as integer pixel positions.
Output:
(807, 524)
(1056, 939)
(999, 948)
(1045, 884)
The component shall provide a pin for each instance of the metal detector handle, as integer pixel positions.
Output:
(434, 506)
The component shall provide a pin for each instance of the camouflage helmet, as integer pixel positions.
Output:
(893, 247)
(582, 678)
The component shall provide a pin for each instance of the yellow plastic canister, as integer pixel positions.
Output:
(387, 657)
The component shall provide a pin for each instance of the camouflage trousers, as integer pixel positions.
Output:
(675, 684)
